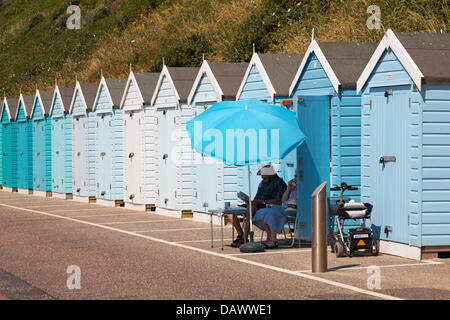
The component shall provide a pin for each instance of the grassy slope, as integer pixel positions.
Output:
(36, 47)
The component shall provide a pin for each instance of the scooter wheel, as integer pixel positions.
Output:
(339, 249)
(375, 249)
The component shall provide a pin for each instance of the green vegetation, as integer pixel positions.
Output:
(36, 47)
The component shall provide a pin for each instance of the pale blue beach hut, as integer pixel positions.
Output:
(9, 144)
(329, 113)
(139, 141)
(42, 143)
(61, 143)
(267, 78)
(83, 148)
(405, 155)
(174, 163)
(24, 144)
(213, 182)
(108, 126)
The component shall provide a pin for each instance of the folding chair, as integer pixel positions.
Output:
(291, 221)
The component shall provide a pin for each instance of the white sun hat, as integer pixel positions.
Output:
(266, 170)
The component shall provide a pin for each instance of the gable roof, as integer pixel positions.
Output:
(116, 88)
(45, 99)
(27, 102)
(425, 56)
(11, 105)
(88, 94)
(65, 97)
(89, 91)
(277, 71)
(430, 52)
(181, 79)
(343, 62)
(225, 78)
(147, 84)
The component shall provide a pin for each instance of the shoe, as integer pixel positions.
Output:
(270, 244)
(238, 242)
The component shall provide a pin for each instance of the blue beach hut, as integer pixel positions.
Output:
(61, 143)
(267, 78)
(173, 148)
(329, 114)
(213, 182)
(9, 144)
(405, 155)
(139, 141)
(83, 148)
(24, 144)
(108, 127)
(42, 143)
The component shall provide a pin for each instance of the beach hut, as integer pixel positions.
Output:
(213, 182)
(405, 155)
(9, 144)
(173, 147)
(24, 144)
(42, 143)
(268, 78)
(61, 143)
(83, 178)
(329, 114)
(139, 141)
(108, 142)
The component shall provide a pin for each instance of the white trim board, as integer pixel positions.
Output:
(56, 93)
(131, 79)
(205, 69)
(102, 82)
(164, 73)
(400, 249)
(37, 96)
(315, 48)
(5, 106)
(77, 87)
(24, 107)
(391, 41)
(256, 61)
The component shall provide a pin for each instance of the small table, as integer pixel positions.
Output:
(221, 213)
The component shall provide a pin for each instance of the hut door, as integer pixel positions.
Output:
(104, 156)
(313, 154)
(39, 155)
(167, 157)
(133, 156)
(79, 157)
(207, 174)
(57, 154)
(390, 214)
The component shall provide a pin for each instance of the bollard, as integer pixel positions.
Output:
(319, 228)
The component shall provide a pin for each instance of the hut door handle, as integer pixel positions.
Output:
(385, 159)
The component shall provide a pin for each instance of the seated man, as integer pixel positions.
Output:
(270, 191)
(273, 219)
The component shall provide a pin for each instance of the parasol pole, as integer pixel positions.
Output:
(250, 203)
(251, 247)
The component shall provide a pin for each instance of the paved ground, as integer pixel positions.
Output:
(125, 254)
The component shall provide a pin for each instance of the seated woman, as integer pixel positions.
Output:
(273, 219)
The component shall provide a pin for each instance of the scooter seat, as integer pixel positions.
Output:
(356, 214)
